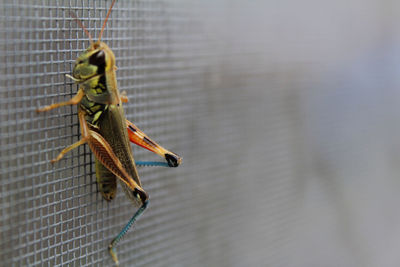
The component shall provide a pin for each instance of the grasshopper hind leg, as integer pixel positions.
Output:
(139, 138)
(111, 247)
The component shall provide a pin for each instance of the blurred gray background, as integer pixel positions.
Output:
(285, 112)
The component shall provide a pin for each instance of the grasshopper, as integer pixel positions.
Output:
(104, 128)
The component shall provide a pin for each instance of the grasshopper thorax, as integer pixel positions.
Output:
(96, 60)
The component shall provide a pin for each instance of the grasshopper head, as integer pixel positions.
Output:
(96, 60)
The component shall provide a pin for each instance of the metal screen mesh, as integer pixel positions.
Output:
(276, 108)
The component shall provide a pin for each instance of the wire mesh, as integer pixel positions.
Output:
(272, 106)
(52, 214)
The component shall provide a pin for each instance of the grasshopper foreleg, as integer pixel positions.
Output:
(65, 150)
(85, 135)
(73, 101)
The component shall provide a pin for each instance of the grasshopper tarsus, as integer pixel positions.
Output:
(44, 109)
(124, 97)
(113, 254)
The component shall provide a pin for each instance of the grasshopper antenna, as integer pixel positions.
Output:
(83, 27)
(105, 21)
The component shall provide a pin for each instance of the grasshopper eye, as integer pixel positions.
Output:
(98, 59)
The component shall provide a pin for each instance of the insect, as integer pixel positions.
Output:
(104, 128)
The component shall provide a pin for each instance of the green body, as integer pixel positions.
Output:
(105, 115)
(112, 127)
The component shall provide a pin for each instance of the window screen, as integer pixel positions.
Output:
(279, 110)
